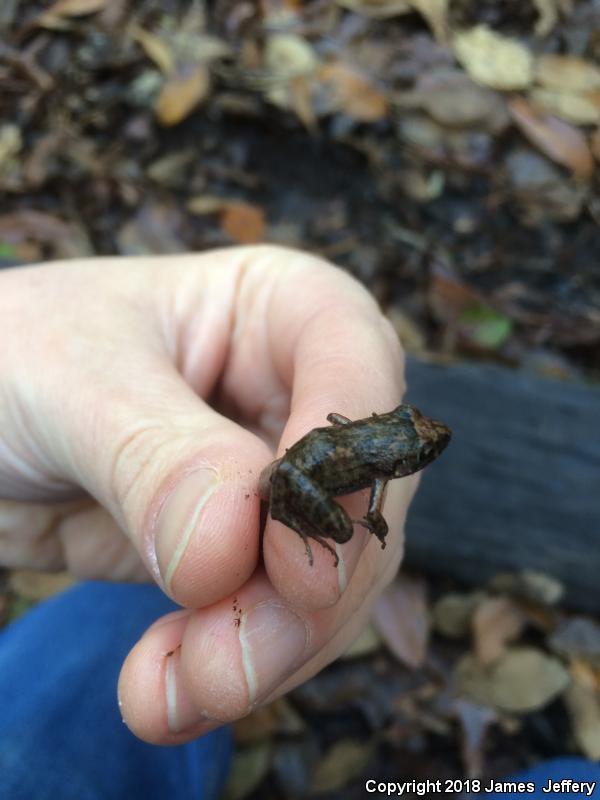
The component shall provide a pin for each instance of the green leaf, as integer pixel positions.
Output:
(486, 327)
(7, 250)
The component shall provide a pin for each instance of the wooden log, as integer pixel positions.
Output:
(519, 485)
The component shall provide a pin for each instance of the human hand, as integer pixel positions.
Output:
(139, 403)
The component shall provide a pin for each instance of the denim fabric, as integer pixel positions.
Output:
(61, 734)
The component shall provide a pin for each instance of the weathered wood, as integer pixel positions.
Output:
(519, 485)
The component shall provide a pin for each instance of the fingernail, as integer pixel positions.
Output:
(341, 569)
(178, 520)
(273, 640)
(181, 714)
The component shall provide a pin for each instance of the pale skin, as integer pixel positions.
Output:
(139, 401)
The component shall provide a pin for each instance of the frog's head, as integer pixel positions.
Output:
(429, 438)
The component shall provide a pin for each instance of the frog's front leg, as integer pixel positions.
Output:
(301, 504)
(374, 520)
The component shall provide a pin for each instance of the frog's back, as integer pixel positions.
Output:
(346, 458)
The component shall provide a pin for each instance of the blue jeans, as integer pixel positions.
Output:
(61, 734)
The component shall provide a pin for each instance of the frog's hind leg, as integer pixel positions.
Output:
(321, 541)
(327, 546)
(337, 419)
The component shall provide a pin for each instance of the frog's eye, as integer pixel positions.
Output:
(404, 412)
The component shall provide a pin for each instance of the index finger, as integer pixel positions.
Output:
(342, 356)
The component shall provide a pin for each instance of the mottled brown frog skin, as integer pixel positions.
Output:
(343, 458)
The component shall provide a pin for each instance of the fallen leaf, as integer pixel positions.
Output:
(343, 763)
(181, 94)
(529, 585)
(369, 641)
(567, 74)
(522, 679)
(496, 621)
(289, 56)
(452, 613)
(559, 140)
(68, 240)
(274, 719)
(435, 12)
(250, 765)
(578, 637)
(583, 705)
(155, 228)
(156, 49)
(492, 59)
(581, 109)
(74, 8)
(484, 327)
(547, 16)
(595, 144)
(352, 92)
(11, 142)
(206, 204)
(448, 296)
(401, 617)
(540, 189)
(452, 98)
(475, 721)
(244, 223)
(377, 9)
(173, 169)
(34, 585)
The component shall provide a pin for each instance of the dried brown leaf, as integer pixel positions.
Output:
(244, 223)
(353, 93)
(523, 679)
(156, 49)
(343, 763)
(452, 98)
(529, 584)
(268, 721)
(578, 637)
(369, 641)
(289, 56)
(401, 617)
(496, 621)
(435, 13)
(250, 765)
(206, 204)
(453, 612)
(595, 144)
(492, 59)
(567, 74)
(154, 229)
(475, 721)
(583, 705)
(378, 9)
(448, 296)
(582, 109)
(547, 16)
(181, 94)
(71, 8)
(556, 138)
(39, 585)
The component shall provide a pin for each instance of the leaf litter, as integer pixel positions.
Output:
(442, 153)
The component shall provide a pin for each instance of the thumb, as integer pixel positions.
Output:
(100, 407)
(177, 478)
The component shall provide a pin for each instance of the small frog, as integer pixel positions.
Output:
(348, 456)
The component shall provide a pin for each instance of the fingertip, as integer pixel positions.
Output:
(320, 585)
(152, 698)
(219, 547)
